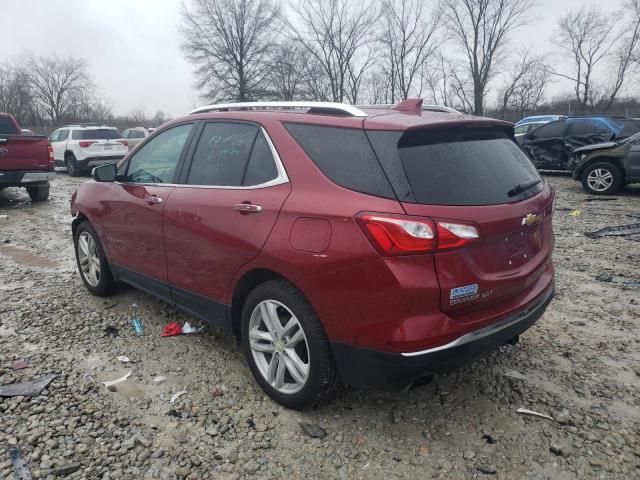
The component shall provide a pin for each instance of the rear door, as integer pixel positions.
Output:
(221, 217)
(465, 175)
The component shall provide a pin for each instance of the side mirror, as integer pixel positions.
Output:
(105, 173)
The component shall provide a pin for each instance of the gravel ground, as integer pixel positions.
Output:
(580, 364)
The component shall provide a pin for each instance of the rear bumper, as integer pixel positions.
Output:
(396, 371)
(22, 177)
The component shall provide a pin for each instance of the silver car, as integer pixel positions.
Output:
(136, 135)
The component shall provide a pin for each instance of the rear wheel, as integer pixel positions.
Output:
(286, 346)
(601, 178)
(39, 192)
(92, 262)
(72, 165)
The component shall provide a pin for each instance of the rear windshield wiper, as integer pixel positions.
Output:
(521, 187)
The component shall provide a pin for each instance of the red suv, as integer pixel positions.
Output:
(372, 246)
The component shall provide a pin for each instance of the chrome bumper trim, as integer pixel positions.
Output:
(31, 177)
(489, 330)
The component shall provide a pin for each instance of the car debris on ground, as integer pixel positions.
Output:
(26, 389)
(616, 231)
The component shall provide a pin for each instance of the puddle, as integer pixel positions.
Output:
(25, 257)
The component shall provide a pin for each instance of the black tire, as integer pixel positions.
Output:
(322, 381)
(605, 168)
(39, 192)
(73, 168)
(106, 283)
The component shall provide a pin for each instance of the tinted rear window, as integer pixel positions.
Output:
(456, 166)
(96, 134)
(7, 127)
(345, 156)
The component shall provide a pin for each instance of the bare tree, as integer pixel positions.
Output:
(288, 70)
(159, 118)
(408, 40)
(588, 34)
(58, 85)
(334, 33)
(230, 42)
(15, 95)
(480, 29)
(448, 86)
(525, 85)
(626, 54)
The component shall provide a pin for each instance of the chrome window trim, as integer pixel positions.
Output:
(281, 179)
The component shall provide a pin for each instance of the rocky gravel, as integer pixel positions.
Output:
(580, 364)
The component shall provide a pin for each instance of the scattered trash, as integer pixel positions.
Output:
(364, 466)
(159, 379)
(600, 199)
(111, 331)
(177, 395)
(112, 388)
(555, 449)
(26, 389)
(188, 329)
(171, 330)
(526, 411)
(487, 469)
(19, 465)
(123, 359)
(576, 213)
(66, 470)
(604, 277)
(137, 325)
(134, 305)
(20, 364)
(174, 413)
(608, 278)
(313, 430)
(491, 440)
(615, 231)
(117, 381)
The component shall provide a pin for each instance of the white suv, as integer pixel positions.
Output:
(81, 147)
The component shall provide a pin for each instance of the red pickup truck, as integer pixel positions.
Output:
(25, 160)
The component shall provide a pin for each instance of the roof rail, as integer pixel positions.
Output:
(425, 108)
(327, 108)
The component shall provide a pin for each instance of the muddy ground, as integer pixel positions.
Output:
(580, 364)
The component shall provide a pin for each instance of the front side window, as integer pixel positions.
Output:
(156, 161)
(63, 135)
(222, 154)
(55, 136)
(550, 130)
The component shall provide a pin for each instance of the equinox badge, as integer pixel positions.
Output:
(531, 219)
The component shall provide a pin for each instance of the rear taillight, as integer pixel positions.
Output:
(51, 159)
(123, 142)
(395, 235)
(86, 144)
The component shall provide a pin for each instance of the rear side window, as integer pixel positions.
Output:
(550, 130)
(626, 127)
(262, 167)
(588, 126)
(222, 154)
(96, 134)
(7, 127)
(459, 166)
(344, 155)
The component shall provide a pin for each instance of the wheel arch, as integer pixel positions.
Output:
(615, 161)
(244, 286)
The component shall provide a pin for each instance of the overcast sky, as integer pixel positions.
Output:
(133, 46)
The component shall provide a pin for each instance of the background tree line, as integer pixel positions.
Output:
(457, 53)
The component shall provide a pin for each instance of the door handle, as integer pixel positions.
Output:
(247, 208)
(154, 200)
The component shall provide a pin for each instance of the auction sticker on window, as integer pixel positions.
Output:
(463, 294)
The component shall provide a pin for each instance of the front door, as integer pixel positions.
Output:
(544, 145)
(59, 143)
(131, 220)
(219, 220)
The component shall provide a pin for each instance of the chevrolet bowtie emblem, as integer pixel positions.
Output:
(530, 219)
(3, 152)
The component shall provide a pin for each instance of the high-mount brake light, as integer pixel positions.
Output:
(394, 235)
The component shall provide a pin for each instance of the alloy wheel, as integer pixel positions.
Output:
(89, 259)
(600, 179)
(279, 347)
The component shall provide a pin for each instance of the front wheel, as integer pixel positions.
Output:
(92, 262)
(286, 346)
(39, 192)
(601, 178)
